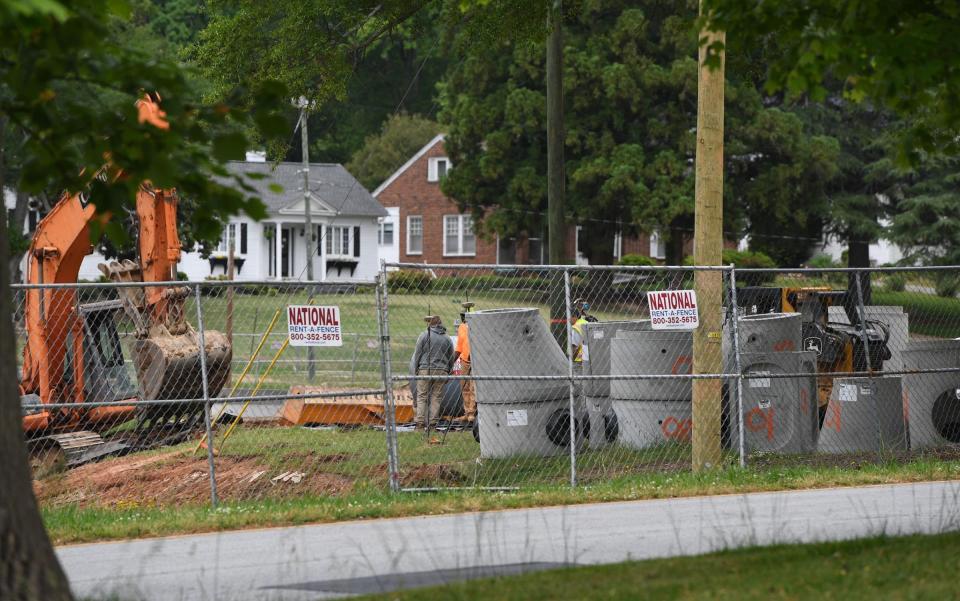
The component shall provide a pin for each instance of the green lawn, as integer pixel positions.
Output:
(168, 497)
(915, 567)
(930, 315)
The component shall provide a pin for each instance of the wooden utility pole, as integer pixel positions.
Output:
(556, 178)
(311, 241)
(707, 250)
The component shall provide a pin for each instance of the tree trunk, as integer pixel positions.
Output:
(675, 246)
(858, 255)
(29, 570)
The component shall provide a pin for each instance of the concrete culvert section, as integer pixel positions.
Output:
(603, 423)
(931, 399)
(655, 411)
(779, 414)
(520, 417)
(864, 414)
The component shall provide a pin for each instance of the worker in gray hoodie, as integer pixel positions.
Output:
(433, 356)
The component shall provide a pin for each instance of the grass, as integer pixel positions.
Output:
(73, 523)
(912, 567)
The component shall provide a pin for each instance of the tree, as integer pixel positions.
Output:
(68, 90)
(383, 153)
(898, 53)
(630, 86)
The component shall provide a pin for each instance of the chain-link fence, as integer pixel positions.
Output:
(456, 376)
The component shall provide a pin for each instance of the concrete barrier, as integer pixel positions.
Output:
(864, 414)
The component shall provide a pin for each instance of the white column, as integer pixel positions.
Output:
(278, 248)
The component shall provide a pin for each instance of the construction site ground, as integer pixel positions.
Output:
(271, 475)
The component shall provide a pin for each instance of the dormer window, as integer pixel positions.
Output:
(437, 168)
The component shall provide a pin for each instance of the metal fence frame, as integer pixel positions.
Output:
(389, 379)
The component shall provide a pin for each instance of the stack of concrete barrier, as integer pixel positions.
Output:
(520, 417)
(779, 414)
(652, 411)
(932, 400)
(597, 338)
(864, 414)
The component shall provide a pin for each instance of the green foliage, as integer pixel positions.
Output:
(70, 86)
(946, 284)
(821, 261)
(630, 99)
(895, 282)
(747, 259)
(383, 153)
(897, 53)
(409, 280)
(636, 260)
(928, 222)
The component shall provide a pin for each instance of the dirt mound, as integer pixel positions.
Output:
(176, 478)
(430, 476)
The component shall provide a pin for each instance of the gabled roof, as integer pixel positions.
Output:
(330, 185)
(408, 164)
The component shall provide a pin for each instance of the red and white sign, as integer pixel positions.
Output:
(673, 310)
(309, 325)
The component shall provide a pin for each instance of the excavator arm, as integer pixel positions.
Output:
(166, 348)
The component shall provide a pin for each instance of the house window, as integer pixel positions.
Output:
(229, 237)
(459, 239)
(437, 168)
(385, 234)
(338, 241)
(535, 252)
(658, 246)
(414, 235)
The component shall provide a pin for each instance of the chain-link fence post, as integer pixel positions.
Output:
(735, 335)
(389, 408)
(573, 415)
(206, 396)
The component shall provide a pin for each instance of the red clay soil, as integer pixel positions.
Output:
(175, 479)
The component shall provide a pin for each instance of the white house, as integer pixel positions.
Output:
(345, 216)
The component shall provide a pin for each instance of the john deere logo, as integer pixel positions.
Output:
(813, 344)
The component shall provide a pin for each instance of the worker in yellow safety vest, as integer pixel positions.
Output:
(579, 316)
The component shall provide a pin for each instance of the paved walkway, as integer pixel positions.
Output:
(334, 560)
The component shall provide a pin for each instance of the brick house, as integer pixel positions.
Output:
(424, 226)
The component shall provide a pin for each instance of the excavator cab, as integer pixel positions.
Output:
(106, 377)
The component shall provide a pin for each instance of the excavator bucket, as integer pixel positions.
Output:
(167, 356)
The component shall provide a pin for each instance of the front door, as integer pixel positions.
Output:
(286, 252)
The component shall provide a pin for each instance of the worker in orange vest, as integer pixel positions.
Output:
(462, 352)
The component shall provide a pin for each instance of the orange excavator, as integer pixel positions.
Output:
(74, 355)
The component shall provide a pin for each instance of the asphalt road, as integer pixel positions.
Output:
(333, 560)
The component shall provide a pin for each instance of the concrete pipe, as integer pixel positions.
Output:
(932, 401)
(515, 342)
(597, 337)
(646, 424)
(898, 324)
(764, 333)
(779, 414)
(651, 353)
(528, 429)
(520, 417)
(864, 414)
